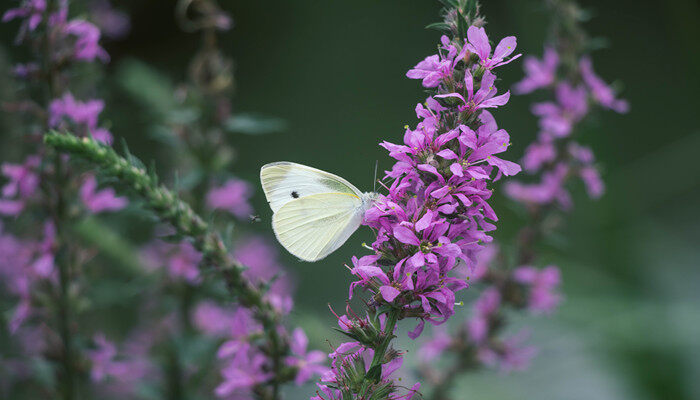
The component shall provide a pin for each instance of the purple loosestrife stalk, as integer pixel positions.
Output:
(40, 191)
(435, 216)
(554, 160)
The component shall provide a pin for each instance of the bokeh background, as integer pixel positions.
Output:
(334, 71)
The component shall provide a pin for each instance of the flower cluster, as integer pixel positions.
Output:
(38, 190)
(554, 155)
(555, 158)
(436, 213)
(435, 216)
(477, 339)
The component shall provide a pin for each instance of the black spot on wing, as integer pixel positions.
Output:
(295, 195)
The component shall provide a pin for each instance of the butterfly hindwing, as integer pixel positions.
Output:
(313, 226)
(284, 181)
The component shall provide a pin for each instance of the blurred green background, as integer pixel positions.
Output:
(334, 70)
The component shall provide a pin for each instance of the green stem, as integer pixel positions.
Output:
(59, 216)
(391, 319)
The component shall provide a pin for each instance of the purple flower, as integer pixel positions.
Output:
(242, 328)
(245, 370)
(212, 319)
(307, 363)
(25, 70)
(602, 93)
(543, 285)
(435, 346)
(485, 96)
(351, 357)
(432, 71)
(87, 37)
(549, 190)
(538, 74)
(23, 181)
(559, 118)
(594, 183)
(85, 114)
(113, 24)
(486, 306)
(125, 370)
(261, 259)
(539, 153)
(179, 260)
(436, 68)
(31, 11)
(98, 201)
(511, 355)
(233, 196)
(479, 44)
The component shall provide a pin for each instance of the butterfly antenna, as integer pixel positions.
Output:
(374, 185)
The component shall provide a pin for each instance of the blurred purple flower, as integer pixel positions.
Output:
(114, 24)
(263, 267)
(180, 260)
(81, 113)
(435, 346)
(601, 92)
(213, 319)
(539, 153)
(233, 196)
(123, 371)
(512, 355)
(307, 363)
(31, 11)
(87, 37)
(550, 189)
(559, 118)
(538, 74)
(98, 201)
(487, 305)
(543, 285)
(242, 372)
(23, 181)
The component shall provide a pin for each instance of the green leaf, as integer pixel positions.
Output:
(147, 86)
(439, 26)
(183, 115)
(252, 124)
(449, 3)
(110, 244)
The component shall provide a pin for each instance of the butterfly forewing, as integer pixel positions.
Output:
(313, 226)
(284, 181)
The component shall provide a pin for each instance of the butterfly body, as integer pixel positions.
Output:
(315, 212)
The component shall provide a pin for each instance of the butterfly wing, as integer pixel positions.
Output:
(285, 181)
(314, 226)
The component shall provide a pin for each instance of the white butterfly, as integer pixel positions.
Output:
(315, 212)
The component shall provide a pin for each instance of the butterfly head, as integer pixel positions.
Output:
(368, 199)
